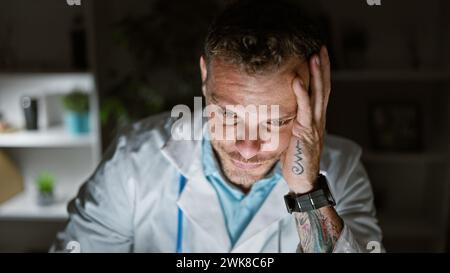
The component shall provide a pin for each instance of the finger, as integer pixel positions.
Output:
(317, 93)
(326, 74)
(304, 116)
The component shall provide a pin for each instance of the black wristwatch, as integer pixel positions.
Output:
(316, 199)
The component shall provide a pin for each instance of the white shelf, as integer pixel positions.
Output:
(390, 75)
(69, 173)
(24, 207)
(53, 137)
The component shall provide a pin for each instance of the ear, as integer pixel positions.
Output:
(204, 73)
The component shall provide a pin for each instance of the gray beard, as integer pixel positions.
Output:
(242, 179)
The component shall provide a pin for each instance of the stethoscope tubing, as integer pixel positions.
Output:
(179, 246)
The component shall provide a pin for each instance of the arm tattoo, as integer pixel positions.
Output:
(298, 167)
(318, 232)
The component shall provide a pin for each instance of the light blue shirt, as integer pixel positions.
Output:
(238, 207)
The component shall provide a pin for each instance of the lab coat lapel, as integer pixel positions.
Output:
(198, 201)
(271, 212)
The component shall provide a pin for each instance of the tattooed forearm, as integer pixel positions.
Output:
(319, 230)
(298, 167)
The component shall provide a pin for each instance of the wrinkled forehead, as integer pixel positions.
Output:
(228, 84)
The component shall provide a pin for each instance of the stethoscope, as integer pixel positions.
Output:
(182, 183)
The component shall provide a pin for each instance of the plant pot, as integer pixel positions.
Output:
(45, 198)
(77, 123)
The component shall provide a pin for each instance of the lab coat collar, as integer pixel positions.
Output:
(185, 155)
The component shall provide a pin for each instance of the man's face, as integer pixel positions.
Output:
(242, 159)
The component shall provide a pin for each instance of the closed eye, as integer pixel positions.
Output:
(278, 122)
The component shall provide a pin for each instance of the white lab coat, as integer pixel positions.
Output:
(130, 203)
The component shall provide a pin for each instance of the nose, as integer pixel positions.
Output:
(248, 148)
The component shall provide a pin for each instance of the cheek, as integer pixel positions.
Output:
(223, 146)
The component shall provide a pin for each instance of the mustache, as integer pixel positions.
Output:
(254, 160)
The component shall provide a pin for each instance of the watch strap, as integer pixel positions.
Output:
(316, 199)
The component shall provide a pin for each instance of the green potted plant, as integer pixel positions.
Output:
(45, 183)
(76, 116)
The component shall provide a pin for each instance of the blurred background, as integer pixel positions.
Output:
(72, 75)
